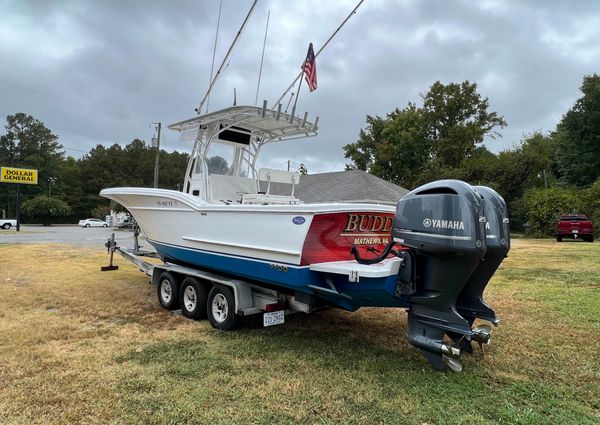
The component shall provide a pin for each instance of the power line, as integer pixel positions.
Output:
(62, 99)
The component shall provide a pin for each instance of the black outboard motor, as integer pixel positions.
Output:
(470, 302)
(443, 222)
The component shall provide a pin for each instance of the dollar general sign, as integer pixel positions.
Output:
(18, 175)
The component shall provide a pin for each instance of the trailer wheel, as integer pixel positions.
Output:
(6, 226)
(194, 295)
(220, 308)
(559, 239)
(168, 291)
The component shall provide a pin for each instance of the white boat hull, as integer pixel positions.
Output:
(264, 232)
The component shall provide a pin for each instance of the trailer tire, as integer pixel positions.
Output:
(559, 239)
(220, 308)
(193, 298)
(6, 226)
(168, 291)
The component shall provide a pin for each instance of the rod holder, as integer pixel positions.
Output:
(264, 109)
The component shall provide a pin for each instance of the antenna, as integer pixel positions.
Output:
(320, 50)
(225, 59)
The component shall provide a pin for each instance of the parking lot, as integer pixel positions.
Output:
(75, 235)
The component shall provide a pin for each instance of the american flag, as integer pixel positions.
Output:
(310, 69)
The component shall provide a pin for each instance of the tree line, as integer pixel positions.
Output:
(543, 176)
(68, 187)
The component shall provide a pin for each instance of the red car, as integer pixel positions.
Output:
(574, 226)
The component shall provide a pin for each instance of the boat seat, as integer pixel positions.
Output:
(230, 189)
(264, 199)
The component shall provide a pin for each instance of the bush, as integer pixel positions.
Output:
(591, 206)
(44, 209)
(543, 207)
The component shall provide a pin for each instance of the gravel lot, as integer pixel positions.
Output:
(90, 237)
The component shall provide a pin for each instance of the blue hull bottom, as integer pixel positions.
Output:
(379, 292)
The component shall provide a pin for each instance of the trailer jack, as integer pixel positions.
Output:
(111, 246)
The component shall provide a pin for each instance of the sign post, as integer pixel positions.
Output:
(18, 176)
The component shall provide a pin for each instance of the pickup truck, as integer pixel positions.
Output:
(6, 223)
(574, 226)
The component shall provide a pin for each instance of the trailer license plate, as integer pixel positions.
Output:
(273, 318)
(575, 231)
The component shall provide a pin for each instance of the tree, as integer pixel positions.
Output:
(45, 209)
(457, 120)
(362, 152)
(418, 144)
(543, 207)
(28, 143)
(578, 136)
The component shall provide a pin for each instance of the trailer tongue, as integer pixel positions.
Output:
(446, 241)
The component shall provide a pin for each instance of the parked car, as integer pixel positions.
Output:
(7, 224)
(574, 226)
(93, 222)
(127, 224)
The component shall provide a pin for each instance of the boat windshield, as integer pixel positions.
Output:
(219, 159)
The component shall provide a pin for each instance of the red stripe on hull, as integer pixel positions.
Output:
(332, 236)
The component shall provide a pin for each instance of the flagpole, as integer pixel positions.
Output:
(297, 96)
(320, 50)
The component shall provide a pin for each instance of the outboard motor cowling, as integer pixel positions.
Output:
(443, 222)
(470, 302)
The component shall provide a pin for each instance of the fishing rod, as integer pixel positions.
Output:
(218, 74)
(320, 50)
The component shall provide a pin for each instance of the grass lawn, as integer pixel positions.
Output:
(81, 346)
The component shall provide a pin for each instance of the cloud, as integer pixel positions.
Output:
(150, 61)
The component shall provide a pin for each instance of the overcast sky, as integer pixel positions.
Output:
(99, 72)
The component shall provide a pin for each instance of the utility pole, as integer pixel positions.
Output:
(51, 181)
(157, 138)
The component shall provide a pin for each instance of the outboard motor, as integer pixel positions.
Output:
(470, 302)
(443, 223)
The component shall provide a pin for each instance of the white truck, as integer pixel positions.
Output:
(7, 224)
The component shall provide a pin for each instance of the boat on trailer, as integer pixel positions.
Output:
(433, 253)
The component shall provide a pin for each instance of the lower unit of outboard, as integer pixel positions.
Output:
(453, 252)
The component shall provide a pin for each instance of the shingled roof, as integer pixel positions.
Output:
(342, 186)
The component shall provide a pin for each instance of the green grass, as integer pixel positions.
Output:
(89, 347)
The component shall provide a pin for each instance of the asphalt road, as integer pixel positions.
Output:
(90, 237)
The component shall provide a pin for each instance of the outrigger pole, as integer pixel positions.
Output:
(212, 67)
(218, 74)
(262, 58)
(320, 50)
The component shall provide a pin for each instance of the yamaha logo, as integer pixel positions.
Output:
(444, 224)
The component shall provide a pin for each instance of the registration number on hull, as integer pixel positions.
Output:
(273, 318)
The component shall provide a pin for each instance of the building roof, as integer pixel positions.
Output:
(342, 186)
